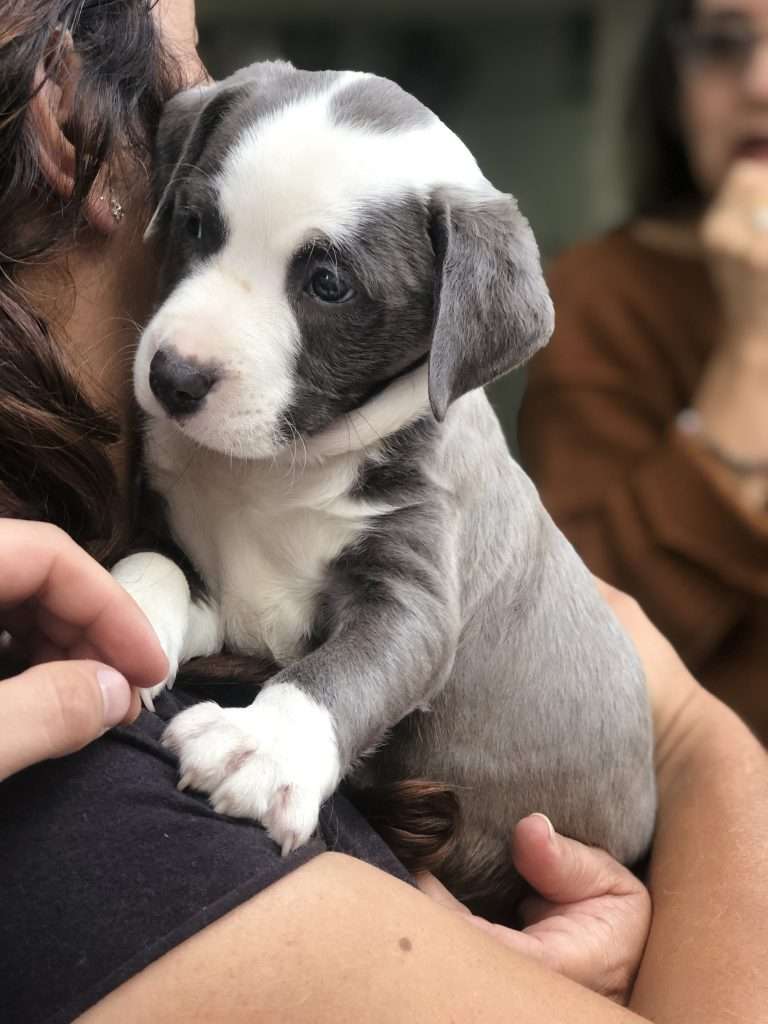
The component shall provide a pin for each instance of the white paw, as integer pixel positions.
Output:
(160, 589)
(275, 761)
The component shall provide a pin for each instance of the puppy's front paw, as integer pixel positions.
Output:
(275, 761)
(160, 589)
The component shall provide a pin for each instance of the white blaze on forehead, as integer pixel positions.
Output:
(296, 172)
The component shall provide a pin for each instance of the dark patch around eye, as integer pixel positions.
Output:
(323, 270)
(198, 232)
(350, 350)
(194, 225)
(320, 248)
(200, 228)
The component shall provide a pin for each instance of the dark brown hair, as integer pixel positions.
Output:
(54, 462)
(657, 167)
(417, 818)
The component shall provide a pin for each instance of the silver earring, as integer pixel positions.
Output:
(115, 207)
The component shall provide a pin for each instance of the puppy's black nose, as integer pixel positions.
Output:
(179, 386)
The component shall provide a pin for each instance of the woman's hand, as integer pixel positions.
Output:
(89, 640)
(590, 921)
(735, 237)
(731, 398)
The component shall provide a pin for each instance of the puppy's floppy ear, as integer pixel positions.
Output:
(185, 127)
(492, 306)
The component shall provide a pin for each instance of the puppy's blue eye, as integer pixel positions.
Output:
(194, 226)
(329, 285)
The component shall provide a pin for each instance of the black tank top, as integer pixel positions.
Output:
(105, 866)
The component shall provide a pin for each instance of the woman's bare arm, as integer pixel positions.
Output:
(705, 960)
(705, 957)
(339, 941)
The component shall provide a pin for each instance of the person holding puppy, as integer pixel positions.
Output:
(124, 899)
(645, 424)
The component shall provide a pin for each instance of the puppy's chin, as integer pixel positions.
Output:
(231, 441)
(233, 438)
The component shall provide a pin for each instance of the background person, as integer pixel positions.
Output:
(645, 423)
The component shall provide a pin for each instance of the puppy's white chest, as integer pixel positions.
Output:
(261, 536)
(267, 572)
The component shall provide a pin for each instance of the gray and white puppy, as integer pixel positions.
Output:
(339, 282)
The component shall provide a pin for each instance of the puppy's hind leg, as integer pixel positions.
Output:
(185, 628)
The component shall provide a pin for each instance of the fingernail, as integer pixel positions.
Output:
(115, 694)
(550, 826)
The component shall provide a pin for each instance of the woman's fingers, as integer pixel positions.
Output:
(64, 605)
(562, 870)
(78, 600)
(55, 709)
(592, 918)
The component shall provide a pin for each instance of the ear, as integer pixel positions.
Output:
(492, 306)
(51, 107)
(185, 128)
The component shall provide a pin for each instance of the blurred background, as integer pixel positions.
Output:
(534, 87)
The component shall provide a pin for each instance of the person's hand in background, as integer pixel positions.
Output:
(732, 399)
(734, 233)
(88, 641)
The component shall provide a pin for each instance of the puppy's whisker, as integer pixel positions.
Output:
(349, 425)
(367, 422)
(296, 438)
(291, 471)
(300, 437)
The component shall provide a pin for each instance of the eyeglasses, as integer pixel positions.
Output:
(728, 48)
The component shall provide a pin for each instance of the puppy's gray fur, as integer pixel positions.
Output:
(453, 634)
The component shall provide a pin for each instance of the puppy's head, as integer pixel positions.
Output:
(321, 234)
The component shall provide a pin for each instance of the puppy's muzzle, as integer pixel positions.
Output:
(180, 385)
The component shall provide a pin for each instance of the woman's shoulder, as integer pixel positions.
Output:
(636, 257)
(632, 301)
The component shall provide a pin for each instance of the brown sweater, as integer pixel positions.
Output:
(649, 510)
